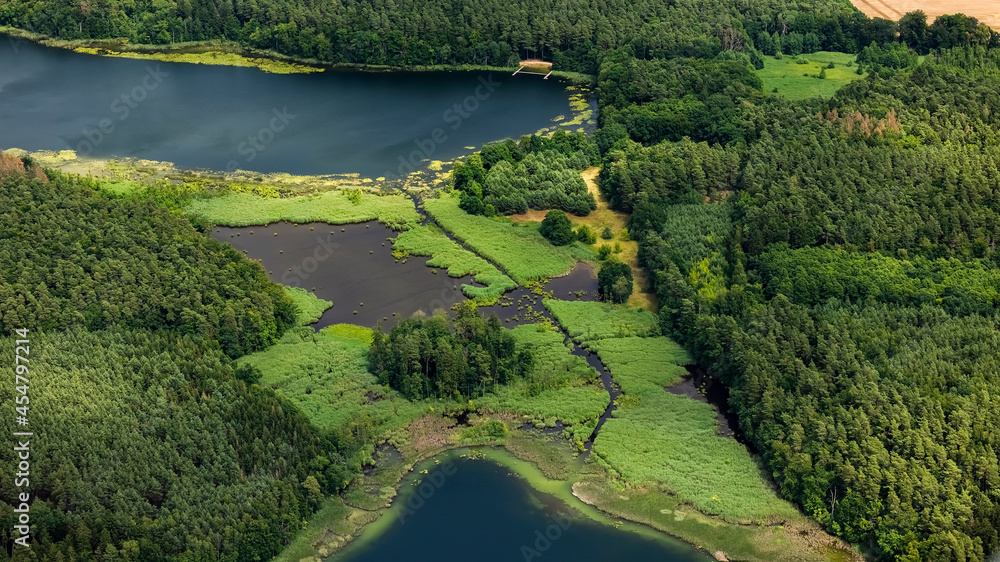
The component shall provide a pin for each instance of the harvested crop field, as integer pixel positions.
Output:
(986, 11)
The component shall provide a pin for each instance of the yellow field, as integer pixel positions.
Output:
(986, 11)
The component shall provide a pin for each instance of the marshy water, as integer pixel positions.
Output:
(350, 265)
(219, 117)
(475, 510)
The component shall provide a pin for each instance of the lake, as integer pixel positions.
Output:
(475, 510)
(377, 124)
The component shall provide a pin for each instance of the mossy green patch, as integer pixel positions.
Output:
(586, 321)
(562, 387)
(334, 207)
(310, 306)
(445, 253)
(325, 374)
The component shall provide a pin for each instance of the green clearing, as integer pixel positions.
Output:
(659, 437)
(325, 374)
(445, 253)
(334, 207)
(310, 307)
(562, 387)
(518, 248)
(587, 321)
(786, 74)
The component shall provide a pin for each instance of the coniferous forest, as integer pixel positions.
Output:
(834, 262)
(147, 435)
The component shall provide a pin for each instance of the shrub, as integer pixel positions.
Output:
(615, 281)
(557, 228)
(603, 252)
(586, 235)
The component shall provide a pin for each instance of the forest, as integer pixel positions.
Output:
(73, 256)
(150, 442)
(834, 262)
(535, 172)
(444, 357)
(574, 35)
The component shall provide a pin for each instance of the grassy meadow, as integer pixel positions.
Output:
(446, 254)
(797, 81)
(663, 439)
(519, 249)
(334, 207)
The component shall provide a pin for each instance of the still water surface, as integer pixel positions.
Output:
(475, 510)
(219, 117)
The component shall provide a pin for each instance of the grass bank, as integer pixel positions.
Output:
(655, 438)
(431, 241)
(519, 249)
(562, 388)
(310, 306)
(334, 207)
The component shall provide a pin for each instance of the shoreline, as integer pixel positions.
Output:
(206, 52)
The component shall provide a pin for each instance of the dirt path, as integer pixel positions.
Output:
(986, 11)
(597, 220)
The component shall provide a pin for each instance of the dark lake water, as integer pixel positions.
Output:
(357, 272)
(218, 117)
(474, 510)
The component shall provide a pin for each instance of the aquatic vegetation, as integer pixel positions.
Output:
(210, 57)
(519, 249)
(334, 207)
(586, 321)
(562, 387)
(310, 307)
(459, 262)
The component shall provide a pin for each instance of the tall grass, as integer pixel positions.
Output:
(325, 374)
(431, 241)
(659, 437)
(586, 321)
(519, 249)
(335, 207)
(309, 305)
(562, 387)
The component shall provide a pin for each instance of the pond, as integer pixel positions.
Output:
(475, 509)
(377, 124)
